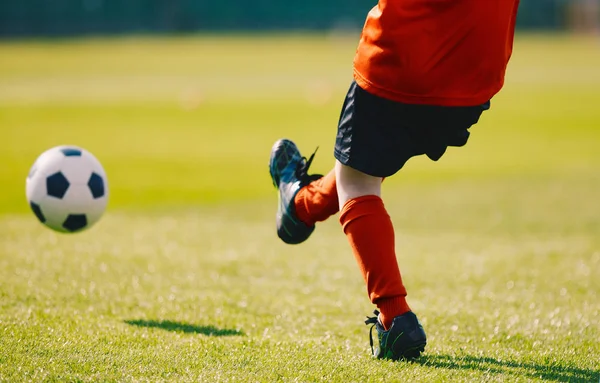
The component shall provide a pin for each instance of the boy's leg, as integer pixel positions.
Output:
(370, 232)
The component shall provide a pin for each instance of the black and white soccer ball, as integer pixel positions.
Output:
(67, 189)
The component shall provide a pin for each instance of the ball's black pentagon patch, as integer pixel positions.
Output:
(37, 211)
(71, 152)
(75, 222)
(57, 185)
(96, 185)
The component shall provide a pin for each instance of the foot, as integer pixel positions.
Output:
(289, 173)
(405, 339)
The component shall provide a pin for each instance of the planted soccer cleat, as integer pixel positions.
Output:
(289, 172)
(405, 339)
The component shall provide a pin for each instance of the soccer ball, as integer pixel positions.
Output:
(66, 189)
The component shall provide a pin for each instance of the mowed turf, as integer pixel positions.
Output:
(184, 278)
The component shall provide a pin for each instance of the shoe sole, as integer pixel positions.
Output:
(413, 352)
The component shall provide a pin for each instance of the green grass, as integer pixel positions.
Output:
(184, 278)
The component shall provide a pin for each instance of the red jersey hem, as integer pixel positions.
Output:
(389, 94)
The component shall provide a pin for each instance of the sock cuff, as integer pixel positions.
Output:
(360, 206)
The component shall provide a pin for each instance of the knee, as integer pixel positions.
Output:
(352, 183)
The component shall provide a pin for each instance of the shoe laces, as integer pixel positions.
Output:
(373, 322)
(302, 169)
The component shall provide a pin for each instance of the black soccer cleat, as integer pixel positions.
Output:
(405, 339)
(289, 174)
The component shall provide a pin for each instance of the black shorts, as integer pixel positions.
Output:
(377, 136)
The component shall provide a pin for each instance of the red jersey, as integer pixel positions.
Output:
(436, 52)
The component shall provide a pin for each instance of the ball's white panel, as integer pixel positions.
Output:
(49, 162)
(78, 199)
(35, 186)
(77, 170)
(55, 211)
(96, 209)
(94, 164)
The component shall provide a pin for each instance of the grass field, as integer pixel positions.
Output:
(184, 278)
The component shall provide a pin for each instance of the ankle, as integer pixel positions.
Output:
(302, 212)
(391, 308)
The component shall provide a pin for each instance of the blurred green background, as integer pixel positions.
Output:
(180, 120)
(245, 75)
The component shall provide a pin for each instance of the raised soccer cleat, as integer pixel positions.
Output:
(405, 339)
(289, 172)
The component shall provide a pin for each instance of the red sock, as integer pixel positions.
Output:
(318, 200)
(371, 234)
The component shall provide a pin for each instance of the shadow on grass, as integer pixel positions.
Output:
(184, 327)
(554, 373)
